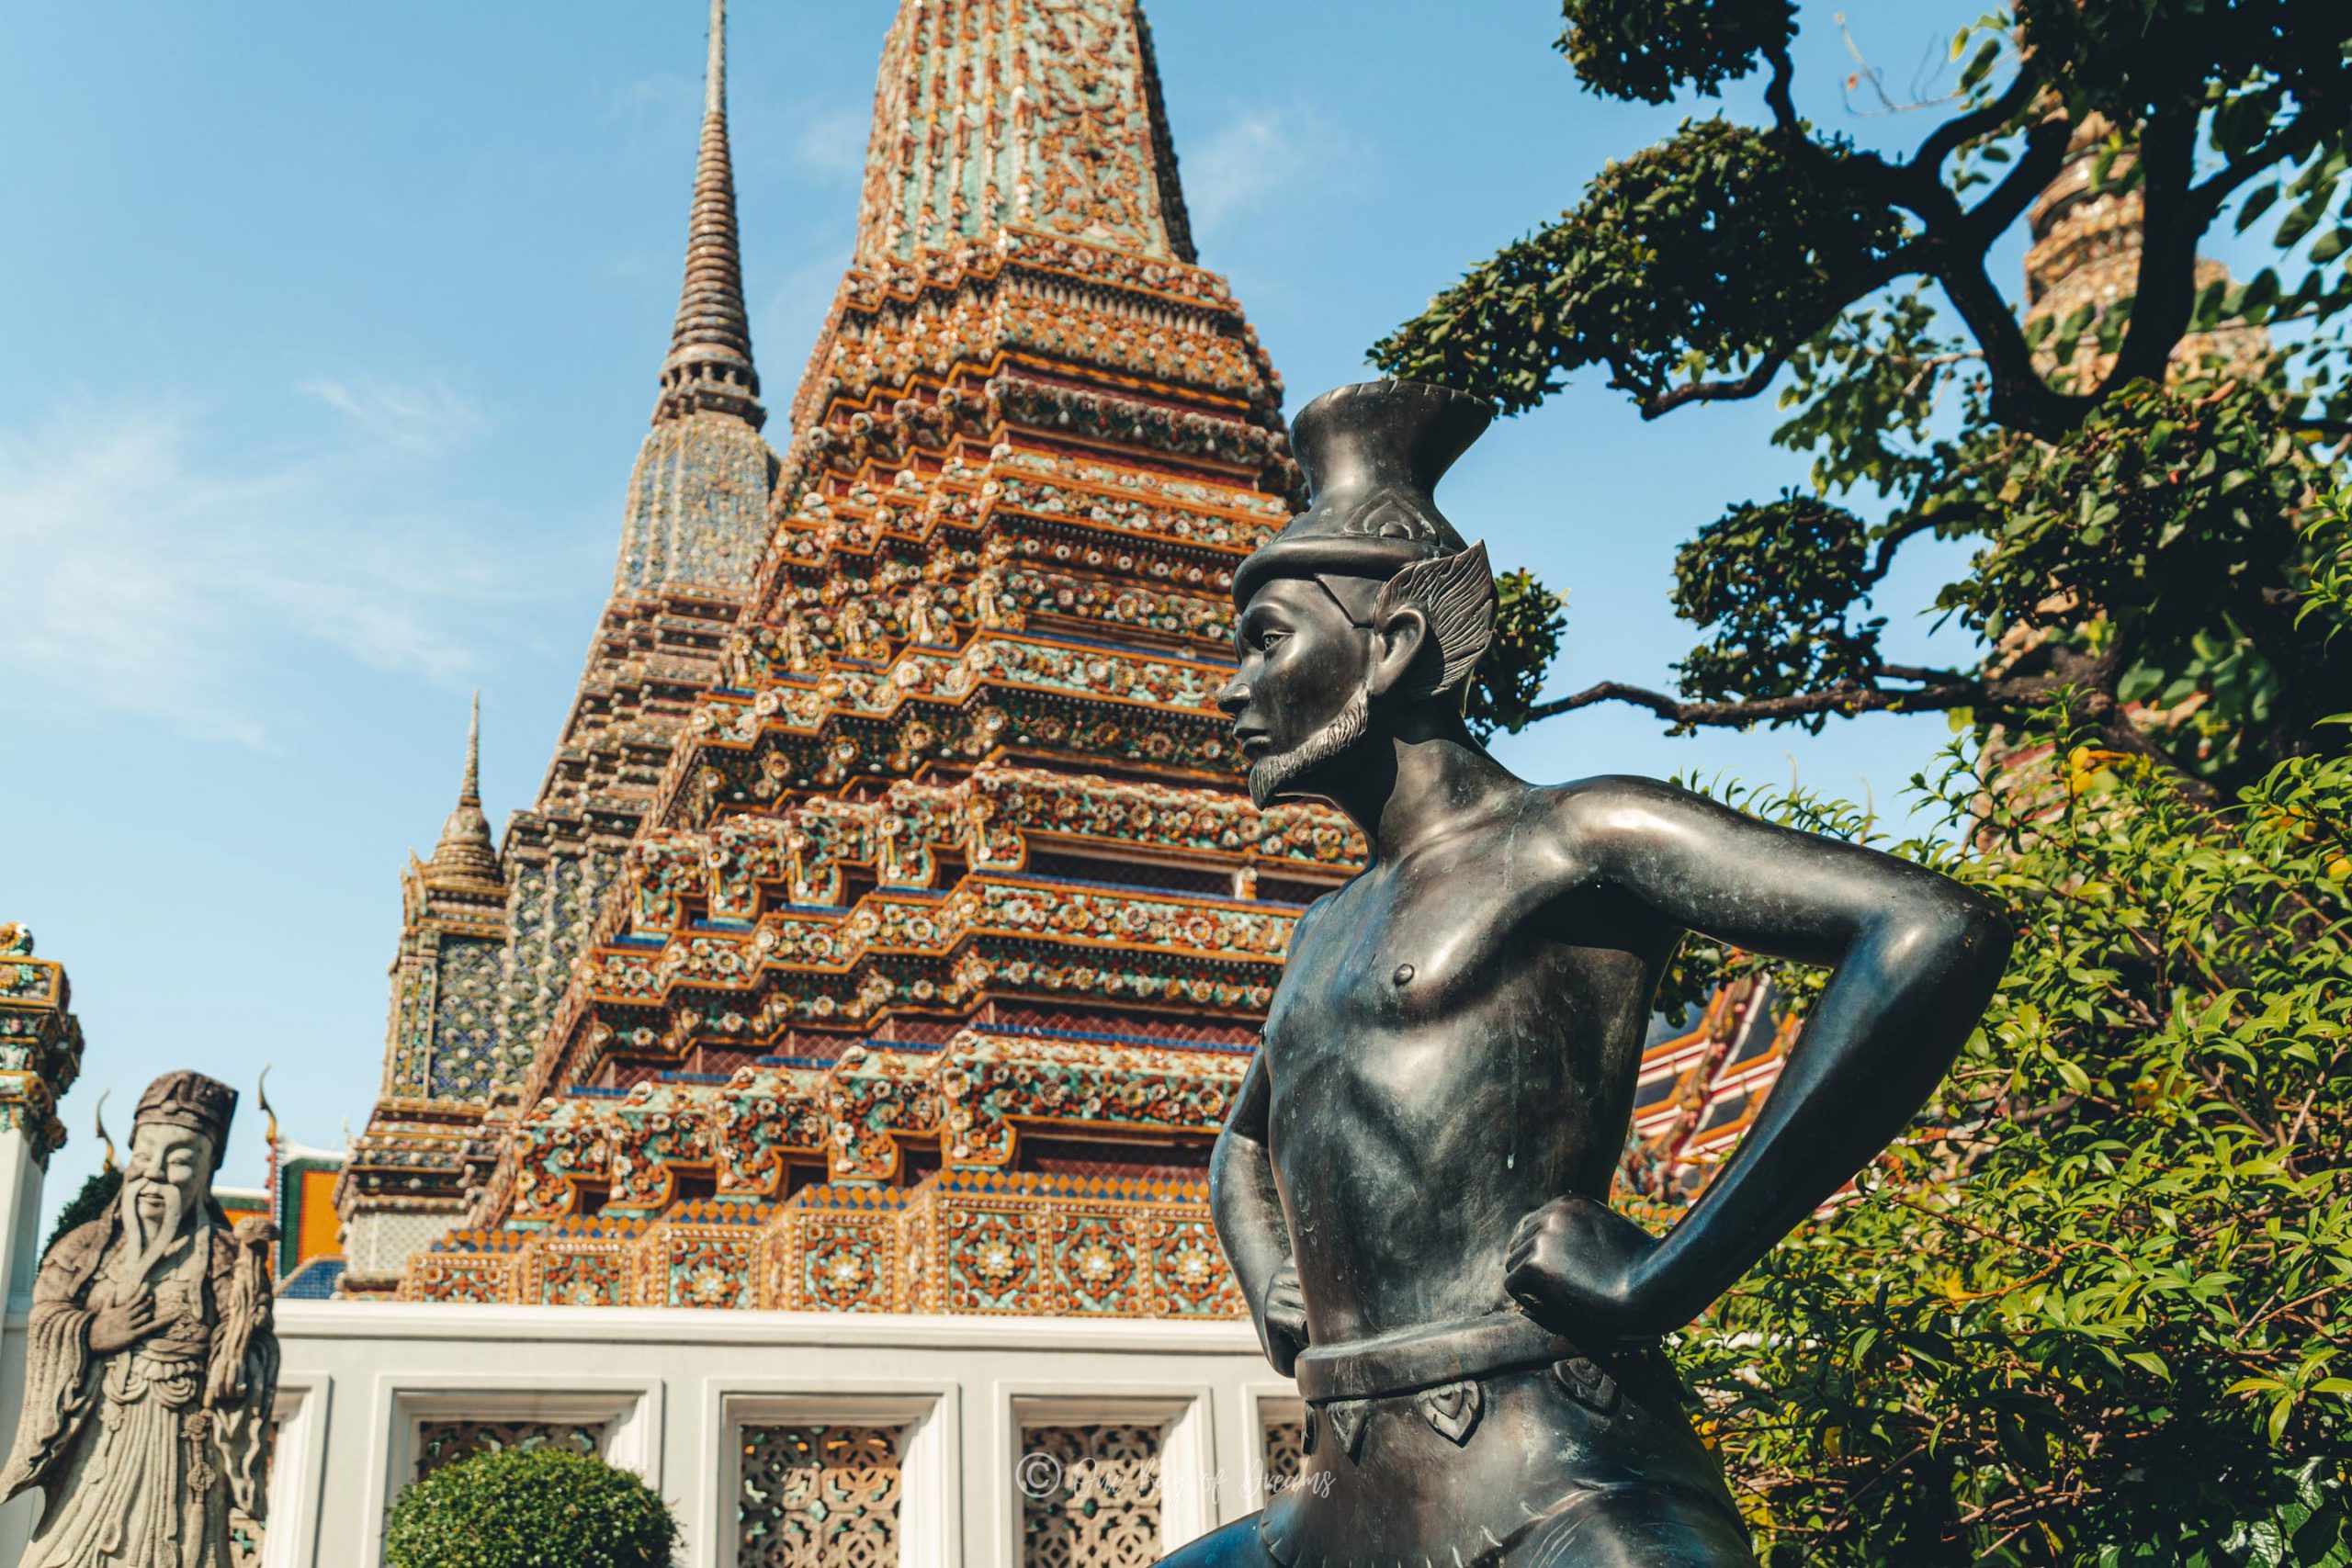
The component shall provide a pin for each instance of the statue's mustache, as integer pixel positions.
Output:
(143, 1188)
(1269, 776)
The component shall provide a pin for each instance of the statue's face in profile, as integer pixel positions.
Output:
(1299, 703)
(167, 1180)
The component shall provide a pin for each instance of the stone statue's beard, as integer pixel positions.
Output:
(151, 1239)
(1269, 776)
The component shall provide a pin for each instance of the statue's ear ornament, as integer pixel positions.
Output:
(1457, 593)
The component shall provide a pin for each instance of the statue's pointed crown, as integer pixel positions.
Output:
(1374, 453)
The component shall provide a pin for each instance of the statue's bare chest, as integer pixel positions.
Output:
(1409, 961)
(1426, 1014)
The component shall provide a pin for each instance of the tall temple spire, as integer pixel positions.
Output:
(466, 854)
(469, 787)
(489, 933)
(710, 365)
(992, 118)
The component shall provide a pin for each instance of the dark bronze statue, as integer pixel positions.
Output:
(1413, 1187)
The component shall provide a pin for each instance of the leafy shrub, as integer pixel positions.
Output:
(2099, 1310)
(530, 1509)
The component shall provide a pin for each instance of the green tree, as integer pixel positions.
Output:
(97, 1194)
(2099, 1309)
(538, 1507)
(2132, 476)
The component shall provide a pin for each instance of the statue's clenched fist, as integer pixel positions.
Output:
(1578, 1268)
(1281, 1323)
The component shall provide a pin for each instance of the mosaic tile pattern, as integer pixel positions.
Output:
(959, 755)
(40, 1040)
(464, 1046)
(1087, 155)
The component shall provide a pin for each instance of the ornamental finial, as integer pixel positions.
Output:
(709, 368)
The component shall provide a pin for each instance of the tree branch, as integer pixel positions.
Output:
(2018, 396)
(1845, 700)
(2165, 293)
(2044, 156)
(1746, 385)
(1776, 92)
(2011, 699)
(1881, 559)
(2290, 141)
(1927, 163)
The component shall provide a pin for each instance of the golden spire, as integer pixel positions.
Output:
(466, 852)
(709, 367)
(469, 787)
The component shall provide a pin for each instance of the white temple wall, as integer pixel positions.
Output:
(678, 1395)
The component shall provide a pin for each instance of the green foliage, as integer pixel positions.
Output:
(2134, 474)
(543, 1507)
(1650, 49)
(97, 1193)
(1529, 620)
(2160, 507)
(2327, 539)
(1702, 249)
(2175, 511)
(1779, 582)
(2095, 1312)
(2129, 59)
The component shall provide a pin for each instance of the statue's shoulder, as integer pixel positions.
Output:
(1312, 913)
(1610, 801)
(76, 1253)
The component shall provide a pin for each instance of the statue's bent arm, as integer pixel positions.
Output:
(1250, 1219)
(1916, 957)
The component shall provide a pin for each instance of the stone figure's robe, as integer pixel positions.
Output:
(140, 1455)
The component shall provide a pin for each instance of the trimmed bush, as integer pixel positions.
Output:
(530, 1509)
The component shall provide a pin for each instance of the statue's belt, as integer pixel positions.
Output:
(1426, 1356)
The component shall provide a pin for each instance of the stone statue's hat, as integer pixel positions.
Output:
(192, 1101)
(1372, 453)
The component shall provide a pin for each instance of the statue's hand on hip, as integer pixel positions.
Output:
(121, 1325)
(1282, 1320)
(1576, 1265)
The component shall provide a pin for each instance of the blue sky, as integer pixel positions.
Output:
(327, 335)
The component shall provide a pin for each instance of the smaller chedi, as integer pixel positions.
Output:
(150, 1363)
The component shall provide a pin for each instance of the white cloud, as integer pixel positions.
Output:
(1251, 160)
(430, 417)
(141, 573)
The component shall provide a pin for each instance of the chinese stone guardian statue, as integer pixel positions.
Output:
(1413, 1185)
(151, 1364)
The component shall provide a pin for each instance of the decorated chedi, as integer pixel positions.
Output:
(929, 978)
(150, 1367)
(490, 933)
